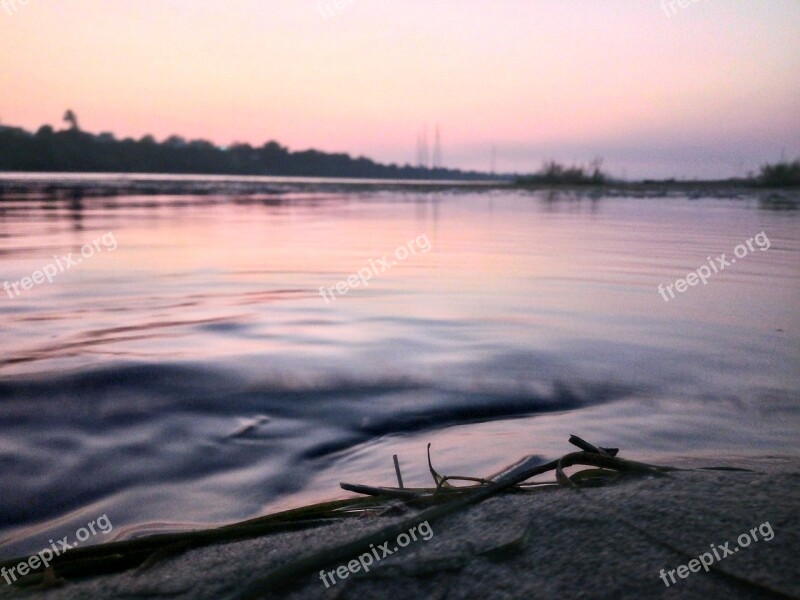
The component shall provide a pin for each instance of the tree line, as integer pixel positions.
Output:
(73, 150)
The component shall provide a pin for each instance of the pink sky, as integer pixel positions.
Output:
(712, 90)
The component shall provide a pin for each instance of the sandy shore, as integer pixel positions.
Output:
(609, 542)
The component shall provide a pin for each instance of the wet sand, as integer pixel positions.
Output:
(608, 542)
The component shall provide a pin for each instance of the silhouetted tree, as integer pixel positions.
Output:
(71, 118)
(75, 150)
(45, 131)
(553, 173)
(175, 141)
(782, 174)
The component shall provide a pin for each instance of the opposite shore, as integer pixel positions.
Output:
(80, 185)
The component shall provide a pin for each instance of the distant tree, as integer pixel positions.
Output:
(175, 141)
(71, 118)
(597, 170)
(80, 151)
(45, 131)
(273, 148)
(782, 174)
(553, 173)
(202, 145)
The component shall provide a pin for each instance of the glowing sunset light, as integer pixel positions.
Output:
(708, 91)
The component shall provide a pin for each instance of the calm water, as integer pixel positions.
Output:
(189, 371)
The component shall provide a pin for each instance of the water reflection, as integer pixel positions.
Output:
(201, 351)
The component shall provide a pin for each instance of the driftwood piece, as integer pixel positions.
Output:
(587, 447)
(516, 474)
(397, 470)
(440, 501)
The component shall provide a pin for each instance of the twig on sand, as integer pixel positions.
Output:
(397, 470)
(587, 447)
(437, 502)
(521, 471)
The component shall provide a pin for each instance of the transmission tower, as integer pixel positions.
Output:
(437, 150)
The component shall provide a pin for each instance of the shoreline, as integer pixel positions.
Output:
(74, 186)
(612, 540)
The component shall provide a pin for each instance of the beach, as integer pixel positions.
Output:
(608, 542)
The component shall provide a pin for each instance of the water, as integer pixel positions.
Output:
(190, 373)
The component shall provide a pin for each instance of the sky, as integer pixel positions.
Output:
(710, 89)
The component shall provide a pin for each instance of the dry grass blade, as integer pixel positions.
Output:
(439, 501)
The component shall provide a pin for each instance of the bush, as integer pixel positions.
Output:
(783, 174)
(553, 173)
